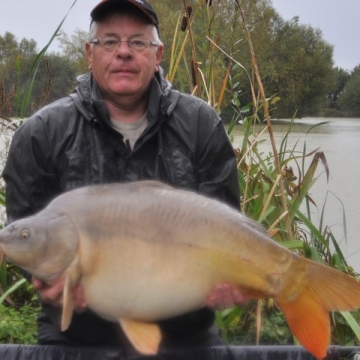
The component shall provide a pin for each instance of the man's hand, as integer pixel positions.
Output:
(222, 296)
(225, 296)
(52, 294)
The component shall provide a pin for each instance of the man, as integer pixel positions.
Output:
(123, 123)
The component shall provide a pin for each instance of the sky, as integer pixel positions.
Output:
(38, 19)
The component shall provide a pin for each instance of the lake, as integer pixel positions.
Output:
(339, 139)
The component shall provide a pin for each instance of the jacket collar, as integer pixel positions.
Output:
(88, 99)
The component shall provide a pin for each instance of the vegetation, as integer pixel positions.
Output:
(295, 62)
(18, 320)
(261, 53)
(349, 99)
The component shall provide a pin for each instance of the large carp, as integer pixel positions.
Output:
(145, 251)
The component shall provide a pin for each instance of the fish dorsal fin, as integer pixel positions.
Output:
(72, 278)
(144, 336)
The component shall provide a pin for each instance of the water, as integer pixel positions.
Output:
(339, 140)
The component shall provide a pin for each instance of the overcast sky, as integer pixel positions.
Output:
(338, 20)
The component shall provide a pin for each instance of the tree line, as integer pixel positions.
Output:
(295, 62)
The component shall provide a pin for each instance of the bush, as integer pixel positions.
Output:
(18, 326)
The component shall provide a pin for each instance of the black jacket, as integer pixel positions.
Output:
(70, 143)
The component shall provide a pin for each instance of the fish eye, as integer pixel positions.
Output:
(24, 234)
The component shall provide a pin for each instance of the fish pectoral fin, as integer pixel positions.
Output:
(71, 280)
(68, 304)
(144, 336)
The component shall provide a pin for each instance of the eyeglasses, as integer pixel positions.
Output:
(111, 43)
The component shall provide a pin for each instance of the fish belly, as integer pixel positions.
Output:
(149, 281)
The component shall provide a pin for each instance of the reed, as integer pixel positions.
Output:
(275, 186)
(15, 292)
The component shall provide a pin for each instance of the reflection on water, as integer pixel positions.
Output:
(339, 140)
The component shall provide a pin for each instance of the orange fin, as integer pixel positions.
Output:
(309, 322)
(144, 336)
(326, 289)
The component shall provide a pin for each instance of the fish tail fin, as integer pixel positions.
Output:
(309, 322)
(326, 290)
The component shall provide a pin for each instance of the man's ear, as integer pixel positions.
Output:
(159, 54)
(88, 51)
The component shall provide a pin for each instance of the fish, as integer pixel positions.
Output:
(145, 251)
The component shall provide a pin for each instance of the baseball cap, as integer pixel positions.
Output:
(106, 6)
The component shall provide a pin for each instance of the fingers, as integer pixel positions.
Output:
(37, 284)
(79, 299)
(239, 297)
(225, 296)
(221, 297)
(52, 294)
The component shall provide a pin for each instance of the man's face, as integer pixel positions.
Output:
(123, 72)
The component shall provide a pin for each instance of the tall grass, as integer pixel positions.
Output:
(275, 186)
(18, 317)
